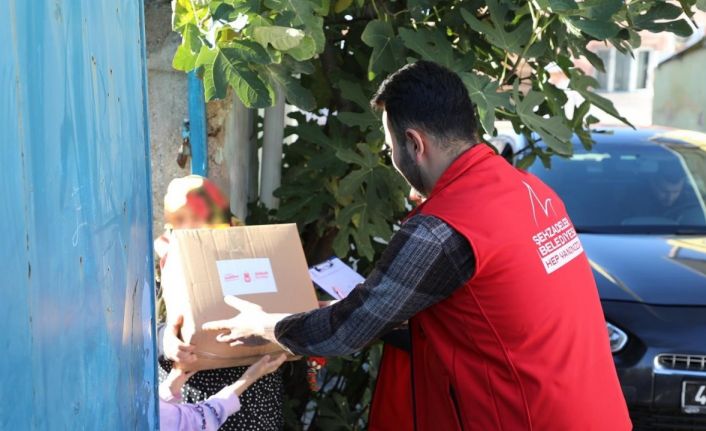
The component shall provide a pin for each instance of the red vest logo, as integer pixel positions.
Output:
(557, 242)
(544, 206)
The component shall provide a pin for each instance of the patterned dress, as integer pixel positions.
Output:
(261, 404)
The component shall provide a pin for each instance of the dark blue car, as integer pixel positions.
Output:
(638, 200)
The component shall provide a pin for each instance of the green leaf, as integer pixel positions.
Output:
(680, 27)
(527, 161)
(315, 29)
(553, 130)
(431, 45)
(465, 62)
(556, 98)
(220, 71)
(495, 33)
(322, 7)
(367, 192)
(585, 138)
(563, 5)
(185, 56)
(580, 113)
(583, 84)
(252, 90)
(302, 67)
(255, 22)
(184, 59)
(342, 5)
(594, 59)
(246, 51)
(362, 241)
(354, 92)
(701, 4)
(341, 244)
(350, 156)
(353, 182)
(537, 49)
(182, 15)
(388, 50)
(294, 92)
(598, 29)
(361, 120)
(600, 10)
(658, 12)
(484, 93)
(248, 7)
(303, 15)
(304, 51)
(220, 10)
(281, 38)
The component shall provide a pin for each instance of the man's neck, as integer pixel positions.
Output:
(448, 158)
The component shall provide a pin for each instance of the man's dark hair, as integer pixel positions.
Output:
(430, 97)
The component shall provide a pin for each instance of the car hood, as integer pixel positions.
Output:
(653, 269)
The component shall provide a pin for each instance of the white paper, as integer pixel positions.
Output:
(246, 276)
(335, 277)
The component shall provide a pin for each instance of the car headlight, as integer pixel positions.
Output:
(618, 338)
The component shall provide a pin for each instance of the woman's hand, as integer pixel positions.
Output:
(174, 382)
(175, 349)
(264, 366)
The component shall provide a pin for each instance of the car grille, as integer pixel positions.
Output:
(682, 362)
(644, 419)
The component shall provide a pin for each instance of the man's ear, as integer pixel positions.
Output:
(418, 143)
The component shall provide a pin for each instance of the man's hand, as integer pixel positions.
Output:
(252, 326)
(174, 348)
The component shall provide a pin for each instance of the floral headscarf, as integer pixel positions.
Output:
(200, 195)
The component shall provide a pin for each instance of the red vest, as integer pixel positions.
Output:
(391, 406)
(523, 344)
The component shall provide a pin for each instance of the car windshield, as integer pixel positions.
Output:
(632, 188)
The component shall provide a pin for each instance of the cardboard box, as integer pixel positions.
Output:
(261, 264)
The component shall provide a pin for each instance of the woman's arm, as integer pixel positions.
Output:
(207, 415)
(210, 414)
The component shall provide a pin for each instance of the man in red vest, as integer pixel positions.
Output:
(506, 325)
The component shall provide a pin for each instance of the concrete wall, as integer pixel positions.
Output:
(680, 91)
(167, 102)
(168, 108)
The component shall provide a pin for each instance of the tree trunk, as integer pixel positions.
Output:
(237, 144)
(253, 180)
(272, 151)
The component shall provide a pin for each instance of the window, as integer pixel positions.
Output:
(643, 65)
(622, 64)
(630, 187)
(622, 71)
(604, 55)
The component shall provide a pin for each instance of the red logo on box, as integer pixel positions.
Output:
(246, 277)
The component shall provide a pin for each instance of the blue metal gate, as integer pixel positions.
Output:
(76, 296)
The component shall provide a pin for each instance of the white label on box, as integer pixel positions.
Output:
(335, 277)
(246, 276)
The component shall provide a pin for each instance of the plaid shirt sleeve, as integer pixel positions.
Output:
(424, 263)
